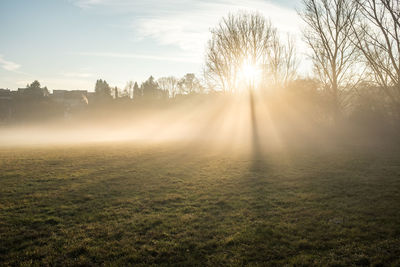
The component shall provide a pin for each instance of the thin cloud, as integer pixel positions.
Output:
(187, 59)
(8, 65)
(86, 3)
(186, 24)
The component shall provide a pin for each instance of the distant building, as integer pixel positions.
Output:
(33, 92)
(5, 94)
(5, 104)
(74, 98)
(37, 102)
(70, 100)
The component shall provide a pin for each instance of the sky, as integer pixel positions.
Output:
(69, 44)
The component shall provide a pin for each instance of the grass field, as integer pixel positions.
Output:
(128, 204)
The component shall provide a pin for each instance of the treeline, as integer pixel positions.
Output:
(300, 101)
(162, 88)
(35, 103)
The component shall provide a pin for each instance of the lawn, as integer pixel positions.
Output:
(130, 204)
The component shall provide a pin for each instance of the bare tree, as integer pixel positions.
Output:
(283, 62)
(127, 92)
(189, 84)
(169, 84)
(242, 38)
(377, 36)
(328, 34)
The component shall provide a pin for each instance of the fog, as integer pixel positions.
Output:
(244, 121)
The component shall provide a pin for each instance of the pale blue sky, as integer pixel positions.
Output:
(68, 44)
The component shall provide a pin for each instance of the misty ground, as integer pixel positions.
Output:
(188, 204)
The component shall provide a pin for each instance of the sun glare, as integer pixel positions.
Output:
(250, 74)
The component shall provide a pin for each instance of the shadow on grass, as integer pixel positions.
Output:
(257, 157)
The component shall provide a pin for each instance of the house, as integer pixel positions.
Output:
(5, 94)
(33, 92)
(70, 99)
(5, 104)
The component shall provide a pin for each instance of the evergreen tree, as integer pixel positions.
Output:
(137, 92)
(35, 84)
(150, 88)
(102, 88)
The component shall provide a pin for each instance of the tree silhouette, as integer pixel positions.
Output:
(34, 84)
(149, 88)
(244, 38)
(102, 89)
(137, 92)
(169, 84)
(377, 36)
(189, 84)
(328, 34)
(127, 92)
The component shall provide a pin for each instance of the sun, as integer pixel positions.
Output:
(250, 74)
